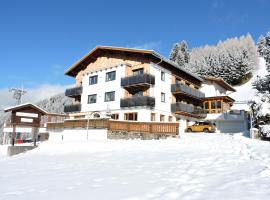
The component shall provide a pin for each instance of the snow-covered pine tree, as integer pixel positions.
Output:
(180, 54)
(262, 84)
(233, 59)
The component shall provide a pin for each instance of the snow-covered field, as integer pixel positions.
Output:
(197, 166)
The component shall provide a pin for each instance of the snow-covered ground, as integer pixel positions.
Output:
(197, 166)
(245, 92)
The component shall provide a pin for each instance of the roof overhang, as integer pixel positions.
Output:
(94, 53)
(224, 98)
(26, 105)
(220, 82)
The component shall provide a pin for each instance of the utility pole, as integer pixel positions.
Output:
(18, 94)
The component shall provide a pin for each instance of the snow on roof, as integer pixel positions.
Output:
(221, 82)
(25, 105)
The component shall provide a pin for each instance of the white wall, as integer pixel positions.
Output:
(78, 135)
(212, 89)
(100, 88)
(162, 86)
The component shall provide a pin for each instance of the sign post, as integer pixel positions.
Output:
(26, 115)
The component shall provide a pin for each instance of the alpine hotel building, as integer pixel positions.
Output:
(133, 84)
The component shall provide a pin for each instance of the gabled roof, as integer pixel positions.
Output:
(18, 107)
(221, 82)
(76, 67)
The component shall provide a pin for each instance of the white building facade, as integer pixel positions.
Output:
(133, 85)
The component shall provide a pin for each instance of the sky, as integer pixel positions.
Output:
(39, 39)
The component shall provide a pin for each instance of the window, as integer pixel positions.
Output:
(92, 98)
(138, 72)
(213, 105)
(153, 117)
(206, 105)
(109, 96)
(131, 116)
(170, 118)
(162, 97)
(115, 116)
(93, 80)
(110, 76)
(163, 76)
(162, 118)
(218, 104)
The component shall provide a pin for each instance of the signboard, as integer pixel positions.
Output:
(26, 115)
(27, 120)
(23, 114)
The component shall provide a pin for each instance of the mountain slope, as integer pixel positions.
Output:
(245, 92)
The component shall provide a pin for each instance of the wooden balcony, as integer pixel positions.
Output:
(74, 92)
(188, 110)
(184, 90)
(137, 101)
(144, 80)
(72, 108)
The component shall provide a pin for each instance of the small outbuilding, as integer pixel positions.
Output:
(24, 122)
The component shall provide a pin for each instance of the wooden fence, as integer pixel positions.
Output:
(144, 127)
(119, 126)
(82, 123)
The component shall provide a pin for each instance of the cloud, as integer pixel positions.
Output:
(148, 45)
(33, 95)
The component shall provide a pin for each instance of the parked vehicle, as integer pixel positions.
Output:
(204, 126)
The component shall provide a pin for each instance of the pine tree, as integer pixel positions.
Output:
(180, 54)
(262, 84)
(233, 59)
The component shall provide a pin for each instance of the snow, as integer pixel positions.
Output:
(265, 129)
(196, 166)
(245, 92)
(265, 109)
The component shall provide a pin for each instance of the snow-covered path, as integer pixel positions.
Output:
(197, 166)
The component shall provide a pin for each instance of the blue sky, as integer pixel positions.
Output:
(40, 39)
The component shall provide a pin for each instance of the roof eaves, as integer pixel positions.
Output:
(25, 104)
(176, 66)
